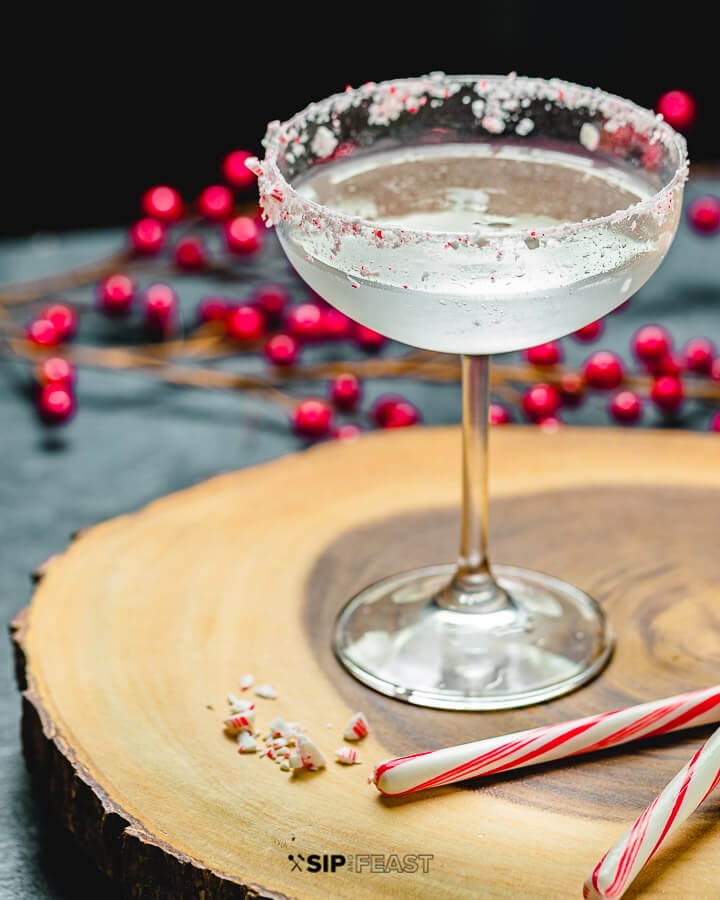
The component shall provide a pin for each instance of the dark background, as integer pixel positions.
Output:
(97, 111)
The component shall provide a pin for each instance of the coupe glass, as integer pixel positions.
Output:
(473, 215)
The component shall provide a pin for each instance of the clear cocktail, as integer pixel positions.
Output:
(473, 215)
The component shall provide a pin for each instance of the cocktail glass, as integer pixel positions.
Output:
(473, 215)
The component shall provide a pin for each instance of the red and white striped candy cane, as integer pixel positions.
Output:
(612, 876)
(434, 768)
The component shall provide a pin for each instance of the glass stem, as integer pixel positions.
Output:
(473, 587)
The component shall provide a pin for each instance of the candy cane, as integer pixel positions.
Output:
(612, 876)
(433, 768)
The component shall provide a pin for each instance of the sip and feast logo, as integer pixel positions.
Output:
(376, 863)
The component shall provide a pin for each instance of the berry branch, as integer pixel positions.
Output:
(219, 236)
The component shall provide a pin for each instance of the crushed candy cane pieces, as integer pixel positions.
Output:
(237, 704)
(279, 728)
(356, 728)
(286, 743)
(243, 721)
(347, 756)
(311, 755)
(246, 742)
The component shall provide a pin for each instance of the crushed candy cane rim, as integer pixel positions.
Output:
(310, 136)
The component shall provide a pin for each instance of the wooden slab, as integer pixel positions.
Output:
(139, 630)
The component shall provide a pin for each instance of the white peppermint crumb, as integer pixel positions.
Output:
(279, 727)
(323, 143)
(246, 742)
(311, 755)
(493, 124)
(295, 761)
(524, 126)
(478, 108)
(238, 705)
(266, 690)
(347, 756)
(246, 681)
(285, 765)
(357, 727)
(589, 136)
(240, 722)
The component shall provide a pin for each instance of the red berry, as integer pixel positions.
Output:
(160, 307)
(163, 203)
(236, 172)
(652, 157)
(55, 404)
(115, 294)
(312, 417)
(370, 341)
(401, 415)
(282, 350)
(63, 317)
(212, 309)
(703, 214)
(147, 236)
(667, 393)
(604, 370)
(336, 326)
(548, 354)
(572, 389)
(669, 364)
(243, 235)
(245, 323)
(540, 401)
(345, 391)
(715, 369)
(55, 370)
(698, 354)
(625, 407)
(498, 414)
(394, 411)
(549, 424)
(677, 108)
(272, 299)
(714, 423)
(43, 333)
(190, 254)
(651, 343)
(621, 308)
(305, 322)
(347, 432)
(590, 332)
(216, 202)
(383, 407)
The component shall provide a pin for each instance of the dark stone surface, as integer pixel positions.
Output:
(134, 440)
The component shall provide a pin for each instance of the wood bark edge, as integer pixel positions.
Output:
(140, 864)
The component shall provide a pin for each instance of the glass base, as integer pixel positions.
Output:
(394, 637)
